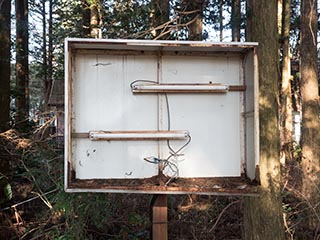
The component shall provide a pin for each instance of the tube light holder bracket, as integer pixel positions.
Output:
(138, 135)
(185, 88)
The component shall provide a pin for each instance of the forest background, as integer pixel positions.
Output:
(33, 202)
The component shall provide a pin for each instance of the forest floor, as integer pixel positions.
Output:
(33, 204)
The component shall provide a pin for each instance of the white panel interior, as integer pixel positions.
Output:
(102, 100)
(213, 120)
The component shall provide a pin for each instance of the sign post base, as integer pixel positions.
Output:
(160, 217)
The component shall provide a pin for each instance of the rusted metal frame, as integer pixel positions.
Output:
(77, 185)
(128, 44)
(137, 42)
(122, 52)
(68, 138)
(77, 189)
(142, 191)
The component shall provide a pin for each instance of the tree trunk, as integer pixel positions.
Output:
(44, 51)
(263, 215)
(159, 17)
(195, 28)
(5, 9)
(22, 69)
(236, 20)
(50, 53)
(286, 98)
(310, 137)
(280, 16)
(95, 19)
(220, 20)
(85, 18)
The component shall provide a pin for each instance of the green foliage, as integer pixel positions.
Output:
(7, 191)
(126, 19)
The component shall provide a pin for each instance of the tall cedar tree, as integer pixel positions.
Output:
(220, 20)
(44, 49)
(263, 215)
(310, 138)
(22, 69)
(50, 53)
(286, 102)
(236, 20)
(5, 9)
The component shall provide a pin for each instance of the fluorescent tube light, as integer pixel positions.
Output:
(138, 135)
(179, 88)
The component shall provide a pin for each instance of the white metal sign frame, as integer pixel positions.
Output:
(160, 116)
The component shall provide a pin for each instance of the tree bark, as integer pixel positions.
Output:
(195, 28)
(220, 20)
(280, 16)
(236, 20)
(263, 215)
(5, 9)
(22, 69)
(50, 53)
(85, 18)
(310, 137)
(95, 19)
(159, 17)
(44, 51)
(286, 95)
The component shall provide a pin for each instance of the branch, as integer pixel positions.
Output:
(220, 215)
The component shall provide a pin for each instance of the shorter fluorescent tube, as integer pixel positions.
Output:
(138, 135)
(179, 88)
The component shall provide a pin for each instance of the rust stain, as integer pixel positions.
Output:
(221, 186)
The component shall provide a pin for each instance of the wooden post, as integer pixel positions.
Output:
(160, 218)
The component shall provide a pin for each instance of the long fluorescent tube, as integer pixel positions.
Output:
(179, 88)
(138, 135)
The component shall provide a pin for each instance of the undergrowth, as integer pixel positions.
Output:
(35, 206)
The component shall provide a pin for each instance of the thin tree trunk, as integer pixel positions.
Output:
(95, 19)
(236, 20)
(22, 69)
(44, 50)
(159, 17)
(195, 28)
(50, 53)
(85, 18)
(221, 20)
(310, 138)
(5, 9)
(286, 98)
(263, 215)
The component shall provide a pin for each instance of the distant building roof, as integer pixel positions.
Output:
(57, 93)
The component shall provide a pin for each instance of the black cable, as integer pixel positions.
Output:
(148, 81)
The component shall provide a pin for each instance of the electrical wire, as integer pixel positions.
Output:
(141, 80)
(172, 153)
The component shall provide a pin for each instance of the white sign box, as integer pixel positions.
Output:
(160, 116)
